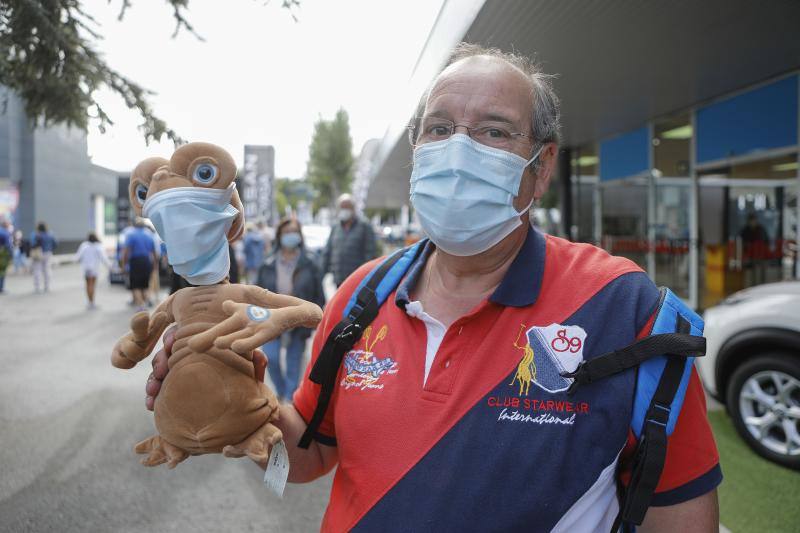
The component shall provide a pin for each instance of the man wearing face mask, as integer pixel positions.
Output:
(465, 405)
(288, 270)
(351, 242)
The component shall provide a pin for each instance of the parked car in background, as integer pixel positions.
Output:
(752, 365)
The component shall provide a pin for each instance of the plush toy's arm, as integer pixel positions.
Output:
(143, 337)
(262, 317)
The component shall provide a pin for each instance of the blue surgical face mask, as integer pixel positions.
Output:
(290, 240)
(463, 191)
(194, 223)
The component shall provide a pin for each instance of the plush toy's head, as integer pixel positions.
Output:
(196, 164)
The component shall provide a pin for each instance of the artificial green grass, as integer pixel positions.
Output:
(755, 495)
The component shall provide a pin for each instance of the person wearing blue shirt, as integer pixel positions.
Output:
(43, 244)
(139, 253)
(6, 251)
(254, 247)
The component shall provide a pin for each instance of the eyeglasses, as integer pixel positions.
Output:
(490, 133)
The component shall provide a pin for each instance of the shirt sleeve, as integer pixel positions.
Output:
(692, 467)
(305, 397)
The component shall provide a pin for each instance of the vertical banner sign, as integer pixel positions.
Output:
(124, 214)
(258, 183)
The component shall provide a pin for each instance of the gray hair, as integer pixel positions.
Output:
(545, 116)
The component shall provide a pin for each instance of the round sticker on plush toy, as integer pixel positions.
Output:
(257, 314)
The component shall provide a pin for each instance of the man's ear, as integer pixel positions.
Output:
(547, 164)
(140, 181)
(237, 228)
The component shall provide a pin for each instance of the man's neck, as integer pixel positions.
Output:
(451, 286)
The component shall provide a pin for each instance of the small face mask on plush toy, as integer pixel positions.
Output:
(210, 401)
(195, 221)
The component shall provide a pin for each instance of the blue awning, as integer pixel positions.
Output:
(762, 119)
(626, 155)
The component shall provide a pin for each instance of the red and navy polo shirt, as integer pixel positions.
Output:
(492, 441)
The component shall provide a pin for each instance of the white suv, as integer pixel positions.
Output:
(752, 365)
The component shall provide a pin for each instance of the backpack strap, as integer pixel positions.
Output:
(664, 361)
(361, 310)
(669, 344)
(651, 452)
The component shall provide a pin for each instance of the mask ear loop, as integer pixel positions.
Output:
(535, 156)
(531, 160)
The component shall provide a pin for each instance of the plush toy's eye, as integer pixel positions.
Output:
(205, 173)
(141, 193)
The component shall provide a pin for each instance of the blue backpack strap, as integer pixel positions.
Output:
(664, 360)
(660, 390)
(667, 320)
(360, 311)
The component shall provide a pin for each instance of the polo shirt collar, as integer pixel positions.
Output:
(520, 286)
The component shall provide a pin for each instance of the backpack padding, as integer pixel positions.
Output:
(650, 371)
(392, 278)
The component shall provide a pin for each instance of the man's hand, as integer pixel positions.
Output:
(161, 368)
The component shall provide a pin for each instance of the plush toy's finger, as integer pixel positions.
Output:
(140, 324)
(230, 307)
(306, 315)
(272, 300)
(260, 337)
(203, 341)
(158, 322)
(119, 360)
(226, 341)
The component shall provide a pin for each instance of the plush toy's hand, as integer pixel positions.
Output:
(247, 327)
(138, 344)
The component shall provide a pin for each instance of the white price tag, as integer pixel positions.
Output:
(277, 471)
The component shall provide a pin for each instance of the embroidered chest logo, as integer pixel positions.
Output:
(363, 369)
(546, 353)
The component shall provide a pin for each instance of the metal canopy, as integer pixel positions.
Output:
(619, 62)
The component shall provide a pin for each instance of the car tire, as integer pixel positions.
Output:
(760, 412)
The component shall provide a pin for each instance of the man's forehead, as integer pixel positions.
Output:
(481, 85)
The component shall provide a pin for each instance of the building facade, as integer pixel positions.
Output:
(679, 129)
(47, 176)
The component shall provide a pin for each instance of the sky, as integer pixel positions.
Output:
(259, 77)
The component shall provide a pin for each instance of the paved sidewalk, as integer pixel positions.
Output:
(69, 420)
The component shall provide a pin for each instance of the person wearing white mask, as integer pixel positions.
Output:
(467, 403)
(351, 242)
(288, 270)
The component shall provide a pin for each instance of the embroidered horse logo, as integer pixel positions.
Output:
(526, 370)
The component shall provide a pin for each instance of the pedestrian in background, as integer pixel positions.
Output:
(288, 270)
(139, 254)
(91, 256)
(255, 246)
(6, 252)
(43, 244)
(21, 250)
(351, 243)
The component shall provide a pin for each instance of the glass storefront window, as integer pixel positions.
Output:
(671, 245)
(625, 220)
(748, 226)
(584, 169)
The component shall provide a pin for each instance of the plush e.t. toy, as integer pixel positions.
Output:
(210, 400)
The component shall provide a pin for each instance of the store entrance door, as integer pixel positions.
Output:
(755, 240)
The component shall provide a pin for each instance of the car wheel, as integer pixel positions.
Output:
(763, 400)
